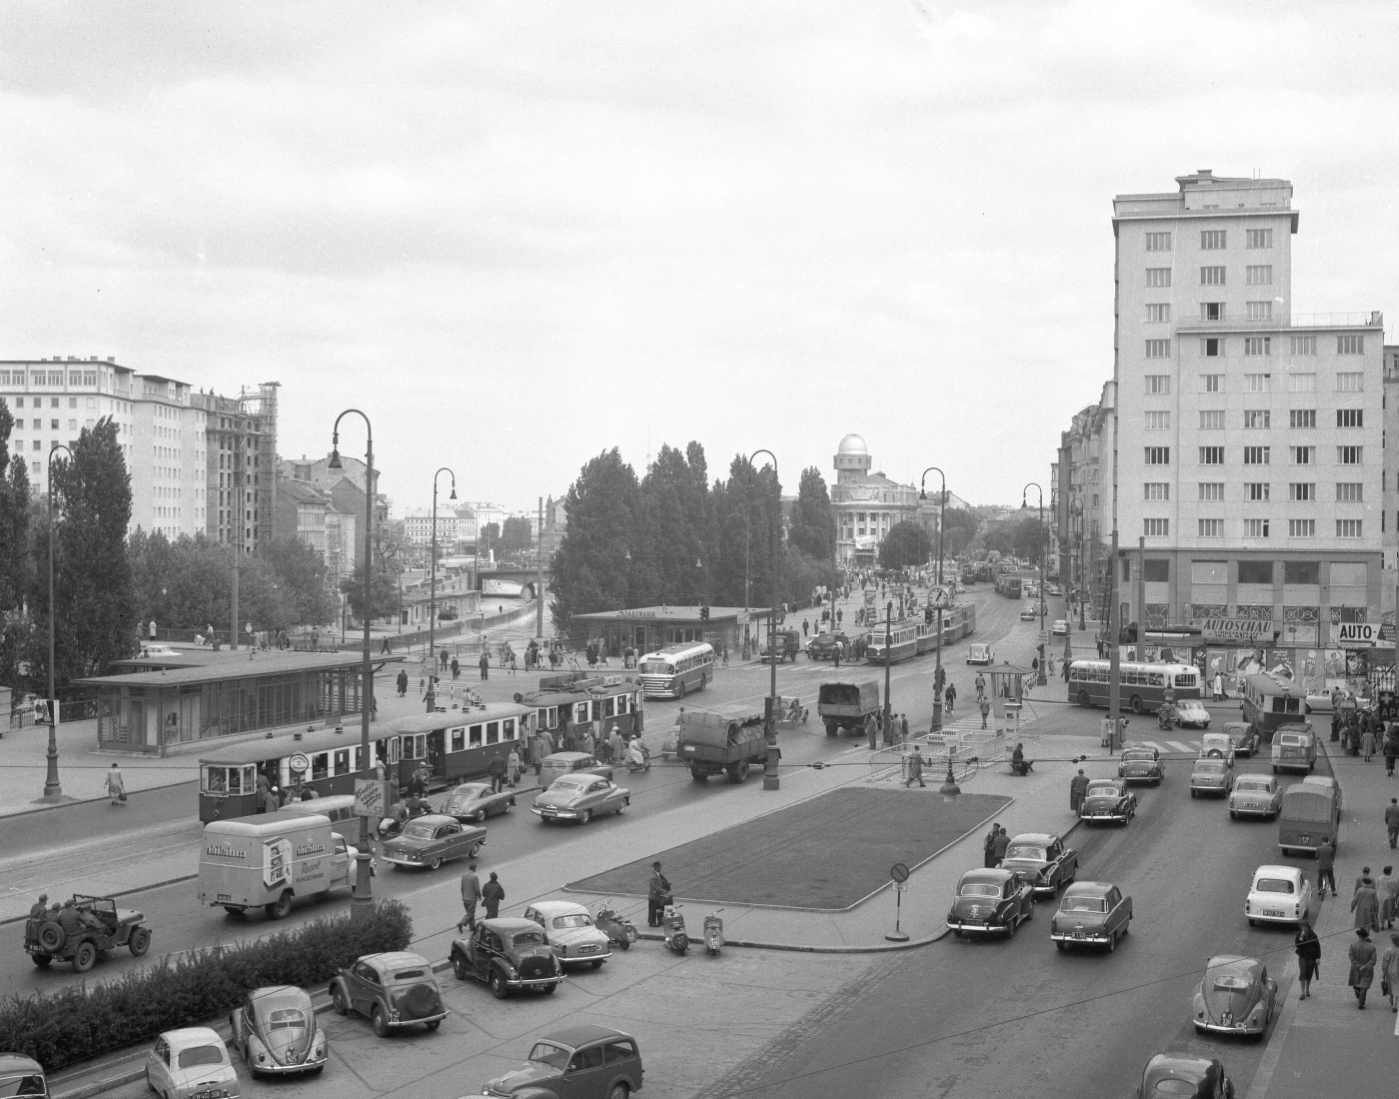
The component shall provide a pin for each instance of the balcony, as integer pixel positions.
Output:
(1284, 322)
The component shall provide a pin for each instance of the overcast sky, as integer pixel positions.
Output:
(520, 232)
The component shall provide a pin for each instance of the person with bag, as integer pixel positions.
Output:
(116, 785)
(1308, 948)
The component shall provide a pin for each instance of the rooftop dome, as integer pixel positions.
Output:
(852, 444)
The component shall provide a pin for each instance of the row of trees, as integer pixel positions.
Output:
(672, 537)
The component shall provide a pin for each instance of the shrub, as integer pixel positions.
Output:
(82, 1021)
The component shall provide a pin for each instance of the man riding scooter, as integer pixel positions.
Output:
(1166, 716)
(638, 756)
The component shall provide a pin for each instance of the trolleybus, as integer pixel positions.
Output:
(1143, 685)
(676, 670)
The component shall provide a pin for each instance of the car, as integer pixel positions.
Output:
(159, 650)
(586, 1061)
(189, 1062)
(100, 926)
(476, 801)
(1107, 799)
(1244, 737)
(1180, 1076)
(571, 931)
(670, 746)
(1060, 627)
(432, 839)
(980, 654)
(1054, 589)
(1192, 712)
(1255, 796)
(581, 798)
(823, 645)
(559, 764)
(275, 1030)
(1210, 776)
(1236, 996)
(991, 902)
(1029, 612)
(1217, 746)
(22, 1076)
(395, 989)
(1294, 747)
(1279, 894)
(1043, 860)
(960, 588)
(508, 954)
(1321, 700)
(1091, 913)
(1139, 763)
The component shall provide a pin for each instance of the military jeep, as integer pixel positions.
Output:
(98, 926)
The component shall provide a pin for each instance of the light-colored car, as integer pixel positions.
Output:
(189, 1062)
(1060, 627)
(572, 935)
(275, 1030)
(580, 798)
(160, 650)
(1236, 996)
(1211, 776)
(1107, 800)
(1029, 612)
(476, 801)
(980, 654)
(1041, 859)
(1255, 796)
(1217, 746)
(1091, 913)
(1054, 589)
(1279, 894)
(1192, 712)
(430, 840)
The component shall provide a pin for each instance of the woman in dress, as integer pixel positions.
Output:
(1308, 948)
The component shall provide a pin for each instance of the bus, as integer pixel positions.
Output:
(676, 670)
(1143, 685)
(1270, 700)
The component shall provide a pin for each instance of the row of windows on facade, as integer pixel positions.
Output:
(1255, 274)
(48, 377)
(1255, 528)
(1160, 313)
(1216, 347)
(1341, 574)
(1256, 419)
(1211, 240)
(1347, 381)
(1347, 492)
(1259, 455)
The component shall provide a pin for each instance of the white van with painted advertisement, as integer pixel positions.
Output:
(268, 860)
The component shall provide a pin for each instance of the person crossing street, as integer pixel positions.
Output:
(470, 896)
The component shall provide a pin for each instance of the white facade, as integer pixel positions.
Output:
(168, 464)
(867, 505)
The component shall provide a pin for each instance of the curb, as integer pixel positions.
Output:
(90, 801)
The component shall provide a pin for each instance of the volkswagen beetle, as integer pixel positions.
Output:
(475, 801)
(1236, 996)
(1180, 1076)
(1107, 799)
(990, 902)
(275, 1030)
(1091, 913)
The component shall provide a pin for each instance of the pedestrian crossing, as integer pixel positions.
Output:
(1172, 746)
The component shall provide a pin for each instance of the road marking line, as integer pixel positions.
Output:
(1152, 744)
(1263, 1077)
(1179, 747)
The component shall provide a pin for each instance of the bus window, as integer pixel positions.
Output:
(1155, 679)
(493, 732)
(475, 741)
(458, 739)
(342, 761)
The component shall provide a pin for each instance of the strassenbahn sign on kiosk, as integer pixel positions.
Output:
(1355, 635)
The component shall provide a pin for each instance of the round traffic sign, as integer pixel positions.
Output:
(299, 763)
(899, 872)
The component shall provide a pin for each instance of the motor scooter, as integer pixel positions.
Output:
(618, 929)
(713, 933)
(676, 937)
(1165, 717)
(392, 826)
(638, 756)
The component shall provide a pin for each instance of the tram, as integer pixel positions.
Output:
(911, 638)
(576, 703)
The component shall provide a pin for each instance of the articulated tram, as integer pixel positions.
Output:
(910, 638)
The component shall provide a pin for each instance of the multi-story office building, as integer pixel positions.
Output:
(1250, 457)
(167, 466)
(241, 467)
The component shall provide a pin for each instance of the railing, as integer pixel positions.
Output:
(1282, 322)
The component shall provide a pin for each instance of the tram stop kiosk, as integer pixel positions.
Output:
(898, 874)
(1008, 682)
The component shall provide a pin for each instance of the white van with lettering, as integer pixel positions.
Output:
(267, 860)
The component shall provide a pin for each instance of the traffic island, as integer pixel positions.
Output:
(826, 854)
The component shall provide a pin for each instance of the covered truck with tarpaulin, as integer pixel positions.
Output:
(720, 744)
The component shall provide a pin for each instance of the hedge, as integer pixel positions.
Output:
(82, 1021)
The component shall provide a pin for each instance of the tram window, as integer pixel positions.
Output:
(216, 780)
(597, 710)
(508, 729)
(493, 732)
(320, 765)
(342, 761)
(458, 738)
(621, 704)
(607, 705)
(475, 741)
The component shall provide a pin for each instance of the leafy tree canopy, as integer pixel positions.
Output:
(907, 545)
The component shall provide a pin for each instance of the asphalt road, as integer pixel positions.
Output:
(964, 1019)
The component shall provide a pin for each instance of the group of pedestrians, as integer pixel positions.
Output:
(473, 892)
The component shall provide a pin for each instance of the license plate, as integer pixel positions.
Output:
(1079, 935)
(1306, 839)
(1270, 912)
(587, 950)
(211, 1093)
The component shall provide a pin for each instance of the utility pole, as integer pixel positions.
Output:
(539, 576)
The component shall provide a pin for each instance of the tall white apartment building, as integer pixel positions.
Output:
(1250, 443)
(168, 480)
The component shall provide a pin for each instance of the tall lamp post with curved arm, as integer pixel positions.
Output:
(1039, 678)
(942, 512)
(771, 779)
(363, 898)
(432, 591)
(53, 789)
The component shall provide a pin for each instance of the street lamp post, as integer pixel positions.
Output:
(942, 512)
(1039, 677)
(888, 665)
(432, 592)
(53, 790)
(363, 898)
(771, 779)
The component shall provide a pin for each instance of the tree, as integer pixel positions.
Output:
(383, 593)
(16, 557)
(745, 508)
(1029, 537)
(907, 545)
(670, 566)
(490, 536)
(516, 536)
(813, 522)
(592, 569)
(301, 573)
(959, 527)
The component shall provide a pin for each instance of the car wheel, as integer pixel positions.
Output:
(1252, 922)
(479, 816)
(619, 1091)
(1194, 793)
(597, 962)
(337, 1001)
(498, 988)
(1059, 944)
(681, 692)
(379, 1021)
(435, 864)
(1083, 699)
(85, 958)
(956, 932)
(586, 817)
(279, 909)
(475, 849)
(433, 1024)
(1233, 815)
(459, 966)
(139, 942)
(1112, 942)
(548, 990)
(622, 805)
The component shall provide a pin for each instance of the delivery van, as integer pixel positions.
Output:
(1294, 747)
(267, 860)
(1310, 815)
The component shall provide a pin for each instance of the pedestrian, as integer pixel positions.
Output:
(1391, 821)
(1367, 743)
(116, 785)
(903, 728)
(1362, 965)
(492, 893)
(951, 696)
(835, 657)
(657, 896)
(1391, 750)
(618, 746)
(152, 628)
(1308, 949)
(1326, 869)
(1387, 890)
(915, 767)
(806, 627)
(1389, 972)
(456, 667)
(985, 706)
(1218, 686)
(512, 766)
(998, 848)
(1361, 880)
(485, 664)
(988, 845)
(470, 894)
(496, 767)
(402, 682)
(1366, 906)
(870, 731)
(1078, 787)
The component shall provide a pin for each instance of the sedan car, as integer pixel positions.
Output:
(433, 839)
(1107, 800)
(980, 654)
(823, 646)
(1060, 627)
(1180, 1076)
(1091, 913)
(571, 932)
(1217, 746)
(1191, 712)
(581, 798)
(1279, 894)
(477, 801)
(1236, 996)
(991, 902)
(275, 1030)
(189, 1062)
(1211, 776)
(1255, 796)
(586, 1061)
(1243, 736)
(1029, 612)
(570, 763)
(509, 955)
(1054, 589)
(1141, 764)
(395, 989)
(1043, 860)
